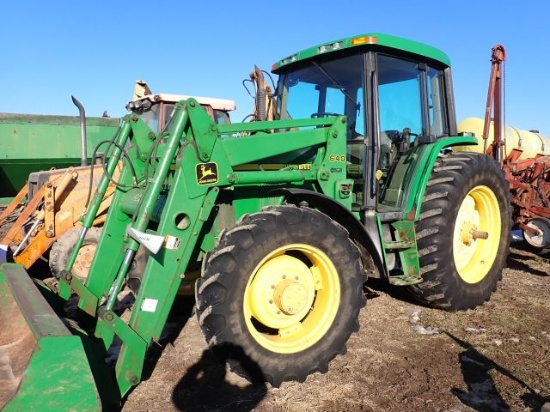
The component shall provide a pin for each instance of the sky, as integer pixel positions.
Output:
(96, 50)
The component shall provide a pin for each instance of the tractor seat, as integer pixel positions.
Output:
(355, 156)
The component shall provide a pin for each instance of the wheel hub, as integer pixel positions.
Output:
(540, 239)
(83, 261)
(290, 297)
(469, 233)
(282, 292)
(476, 234)
(466, 233)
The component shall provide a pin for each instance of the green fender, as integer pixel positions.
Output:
(424, 167)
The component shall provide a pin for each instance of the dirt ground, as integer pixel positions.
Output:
(406, 357)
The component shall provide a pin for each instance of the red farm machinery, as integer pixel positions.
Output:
(523, 155)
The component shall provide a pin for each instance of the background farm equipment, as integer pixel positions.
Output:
(56, 201)
(57, 198)
(524, 155)
(30, 143)
(276, 224)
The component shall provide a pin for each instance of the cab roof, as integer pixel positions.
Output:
(367, 40)
(217, 104)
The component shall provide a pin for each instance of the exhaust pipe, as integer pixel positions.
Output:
(261, 94)
(83, 140)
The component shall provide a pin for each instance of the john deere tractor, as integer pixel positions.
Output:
(276, 224)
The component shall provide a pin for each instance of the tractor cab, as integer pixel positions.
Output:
(393, 98)
(156, 109)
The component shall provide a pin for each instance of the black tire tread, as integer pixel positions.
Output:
(62, 248)
(452, 177)
(216, 304)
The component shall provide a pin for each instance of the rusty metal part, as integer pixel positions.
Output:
(13, 234)
(39, 356)
(478, 234)
(17, 344)
(264, 105)
(494, 103)
(530, 186)
(529, 178)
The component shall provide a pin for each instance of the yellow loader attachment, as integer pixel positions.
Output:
(43, 366)
(55, 207)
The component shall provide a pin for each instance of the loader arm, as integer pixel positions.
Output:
(195, 160)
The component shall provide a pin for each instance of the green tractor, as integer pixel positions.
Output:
(276, 225)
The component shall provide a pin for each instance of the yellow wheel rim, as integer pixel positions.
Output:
(292, 298)
(476, 234)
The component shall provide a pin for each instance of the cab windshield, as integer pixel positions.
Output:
(320, 89)
(151, 117)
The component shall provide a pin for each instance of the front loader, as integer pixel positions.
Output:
(276, 224)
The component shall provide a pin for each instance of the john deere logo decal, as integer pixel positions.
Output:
(206, 173)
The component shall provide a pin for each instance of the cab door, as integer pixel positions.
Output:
(410, 110)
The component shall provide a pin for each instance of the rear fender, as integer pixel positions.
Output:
(417, 187)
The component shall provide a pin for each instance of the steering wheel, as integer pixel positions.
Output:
(395, 136)
(324, 114)
(407, 132)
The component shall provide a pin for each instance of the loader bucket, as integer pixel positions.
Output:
(43, 366)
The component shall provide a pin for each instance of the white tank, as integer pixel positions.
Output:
(531, 143)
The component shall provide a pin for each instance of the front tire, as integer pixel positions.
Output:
(63, 247)
(283, 290)
(463, 233)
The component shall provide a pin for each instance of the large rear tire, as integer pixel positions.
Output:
(282, 292)
(464, 232)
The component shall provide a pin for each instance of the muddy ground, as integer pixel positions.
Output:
(406, 357)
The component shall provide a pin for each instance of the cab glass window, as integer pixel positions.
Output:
(320, 89)
(399, 95)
